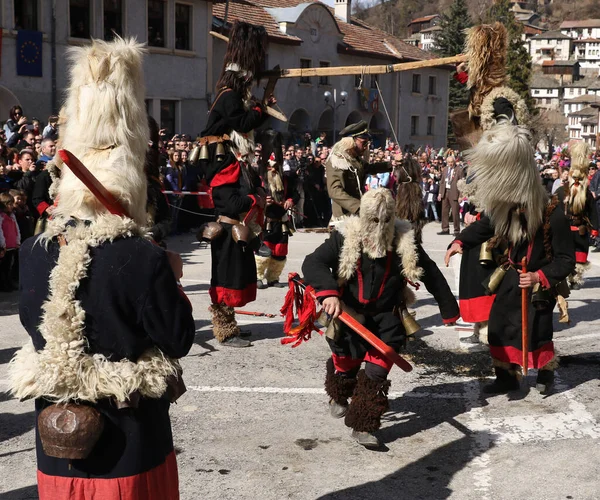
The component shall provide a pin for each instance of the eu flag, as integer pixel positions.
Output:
(29, 53)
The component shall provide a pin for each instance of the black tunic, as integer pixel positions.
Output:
(274, 237)
(374, 290)
(504, 331)
(132, 303)
(233, 279)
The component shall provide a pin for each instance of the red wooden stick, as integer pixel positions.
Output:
(524, 321)
(253, 313)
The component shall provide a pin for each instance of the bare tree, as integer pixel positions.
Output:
(549, 127)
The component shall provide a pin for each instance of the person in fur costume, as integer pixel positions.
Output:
(235, 186)
(347, 169)
(364, 269)
(521, 219)
(580, 209)
(94, 282)
(281, 197)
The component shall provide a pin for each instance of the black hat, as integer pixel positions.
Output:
(360, 129)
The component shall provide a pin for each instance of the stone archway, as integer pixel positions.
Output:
(354, 117)
(378, 128)
(7, 101)
(299, 122)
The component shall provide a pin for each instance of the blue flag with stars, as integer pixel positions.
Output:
(29, 53)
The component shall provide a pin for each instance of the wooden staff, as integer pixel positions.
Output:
(253, 313)
(524, 320)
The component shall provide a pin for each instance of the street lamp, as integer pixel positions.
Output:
(331, 102)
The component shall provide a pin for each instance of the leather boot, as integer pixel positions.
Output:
(505, 382)
(544, 381)
(339, 387)
(369, 403)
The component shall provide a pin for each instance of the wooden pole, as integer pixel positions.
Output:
(524, 321)
(377, 69)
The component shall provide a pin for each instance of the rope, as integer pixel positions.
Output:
(189, 211)
(386, 111)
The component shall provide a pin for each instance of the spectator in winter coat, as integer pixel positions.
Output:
(10, 241)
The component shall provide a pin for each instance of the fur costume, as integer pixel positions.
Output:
(409, 199)
(223, 321)
(508, 182)
(369, 403)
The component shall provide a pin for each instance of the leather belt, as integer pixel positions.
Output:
(227, 220)
(213, 139)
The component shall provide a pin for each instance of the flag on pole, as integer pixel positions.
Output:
(29, 53)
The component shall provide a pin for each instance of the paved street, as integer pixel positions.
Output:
(254, 423)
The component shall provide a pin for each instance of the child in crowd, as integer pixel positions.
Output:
(10, 241)
(25, 219)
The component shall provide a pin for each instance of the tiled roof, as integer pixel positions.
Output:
(586, 40)
(552, 35)
(528, 29)
(539, 81)
(588, 23)
(423, 19)
(570, 62)
(358, 37)
(585, 99)
(589, 111)
(583, 83)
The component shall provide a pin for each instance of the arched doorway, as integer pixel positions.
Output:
(354, 117)
(378, 129)
(7, 101)
(298, 125)
(326, 124)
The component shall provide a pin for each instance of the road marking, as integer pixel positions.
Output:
(578, 337)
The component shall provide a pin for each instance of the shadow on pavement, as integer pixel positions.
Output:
(26, 493)
(7, 354)
(9, 303)
(14, 425)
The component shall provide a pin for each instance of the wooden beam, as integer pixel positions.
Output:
(219, 36)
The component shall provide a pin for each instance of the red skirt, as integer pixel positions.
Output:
(160, 483)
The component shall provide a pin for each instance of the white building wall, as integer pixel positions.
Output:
(169, 74)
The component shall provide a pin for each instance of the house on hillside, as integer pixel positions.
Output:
(422, 23)
(580, 87)
(551, 45)
(579, 30)
(576, 126)
(578, 103)
(563, 71)
(546, 91)
(428, 38)
(586, 42)
(305, 34)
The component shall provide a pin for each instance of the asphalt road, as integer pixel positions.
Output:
(254, 423)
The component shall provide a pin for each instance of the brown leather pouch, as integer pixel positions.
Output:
(175, 387)
(210, 231)
(69, 430)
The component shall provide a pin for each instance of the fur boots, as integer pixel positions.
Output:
(369, 403)
(339, 387)
(225, 328)
(268, 271)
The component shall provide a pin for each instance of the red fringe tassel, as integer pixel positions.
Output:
(303, 299)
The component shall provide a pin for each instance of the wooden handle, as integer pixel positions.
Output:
(524, 321)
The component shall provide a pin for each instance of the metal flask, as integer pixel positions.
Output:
(485, 255)
(410, 324)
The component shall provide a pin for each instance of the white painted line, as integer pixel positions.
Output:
(316, 390)
(578, 337)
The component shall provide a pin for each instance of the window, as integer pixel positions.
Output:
(157, 16)
(374, 80)
(26, 14)
(432, 82)
(430, 125)
(305, 64)
(113, 19)
(324, 80)
(548, 101)
(79, 18)
(536, 92)
(167, 116)
(183, 26)
(416, 84)
(414, 125)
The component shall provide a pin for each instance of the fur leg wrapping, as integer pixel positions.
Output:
(577, 277)
(551, 365)
(275, 269)
(369, 402)
(223, 320)
(338, 386)
(262, 264)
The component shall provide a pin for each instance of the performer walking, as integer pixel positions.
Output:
(94, 283)
(235, 186)
(363, 269)
(282, 195)
(580, 209)
(347, 168)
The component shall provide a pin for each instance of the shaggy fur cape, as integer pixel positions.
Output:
(63, 371)
(507, 181)
(578, 178)
(409, 200)
(105, 126)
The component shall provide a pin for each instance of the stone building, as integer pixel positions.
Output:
(311, 34)
(177, 67)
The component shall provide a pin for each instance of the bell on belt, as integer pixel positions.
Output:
(220, 151)
(269, 226)
(492, 283)
(195, 154)
(408, 322)
(285, 229)
(204, 155)
(485, 255)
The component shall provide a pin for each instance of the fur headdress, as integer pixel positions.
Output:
(508, 182)
(578, 177)
(409, 201)
(377, 216)
(106, 127)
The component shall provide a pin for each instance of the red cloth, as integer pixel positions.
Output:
(278, 249)
(476, 309)
(228, 175)
(537, 359)
(160, 483)
(10, 231)
(461, 77)
(231, 297)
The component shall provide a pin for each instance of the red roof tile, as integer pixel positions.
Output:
(423, 19)
(587, 23)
